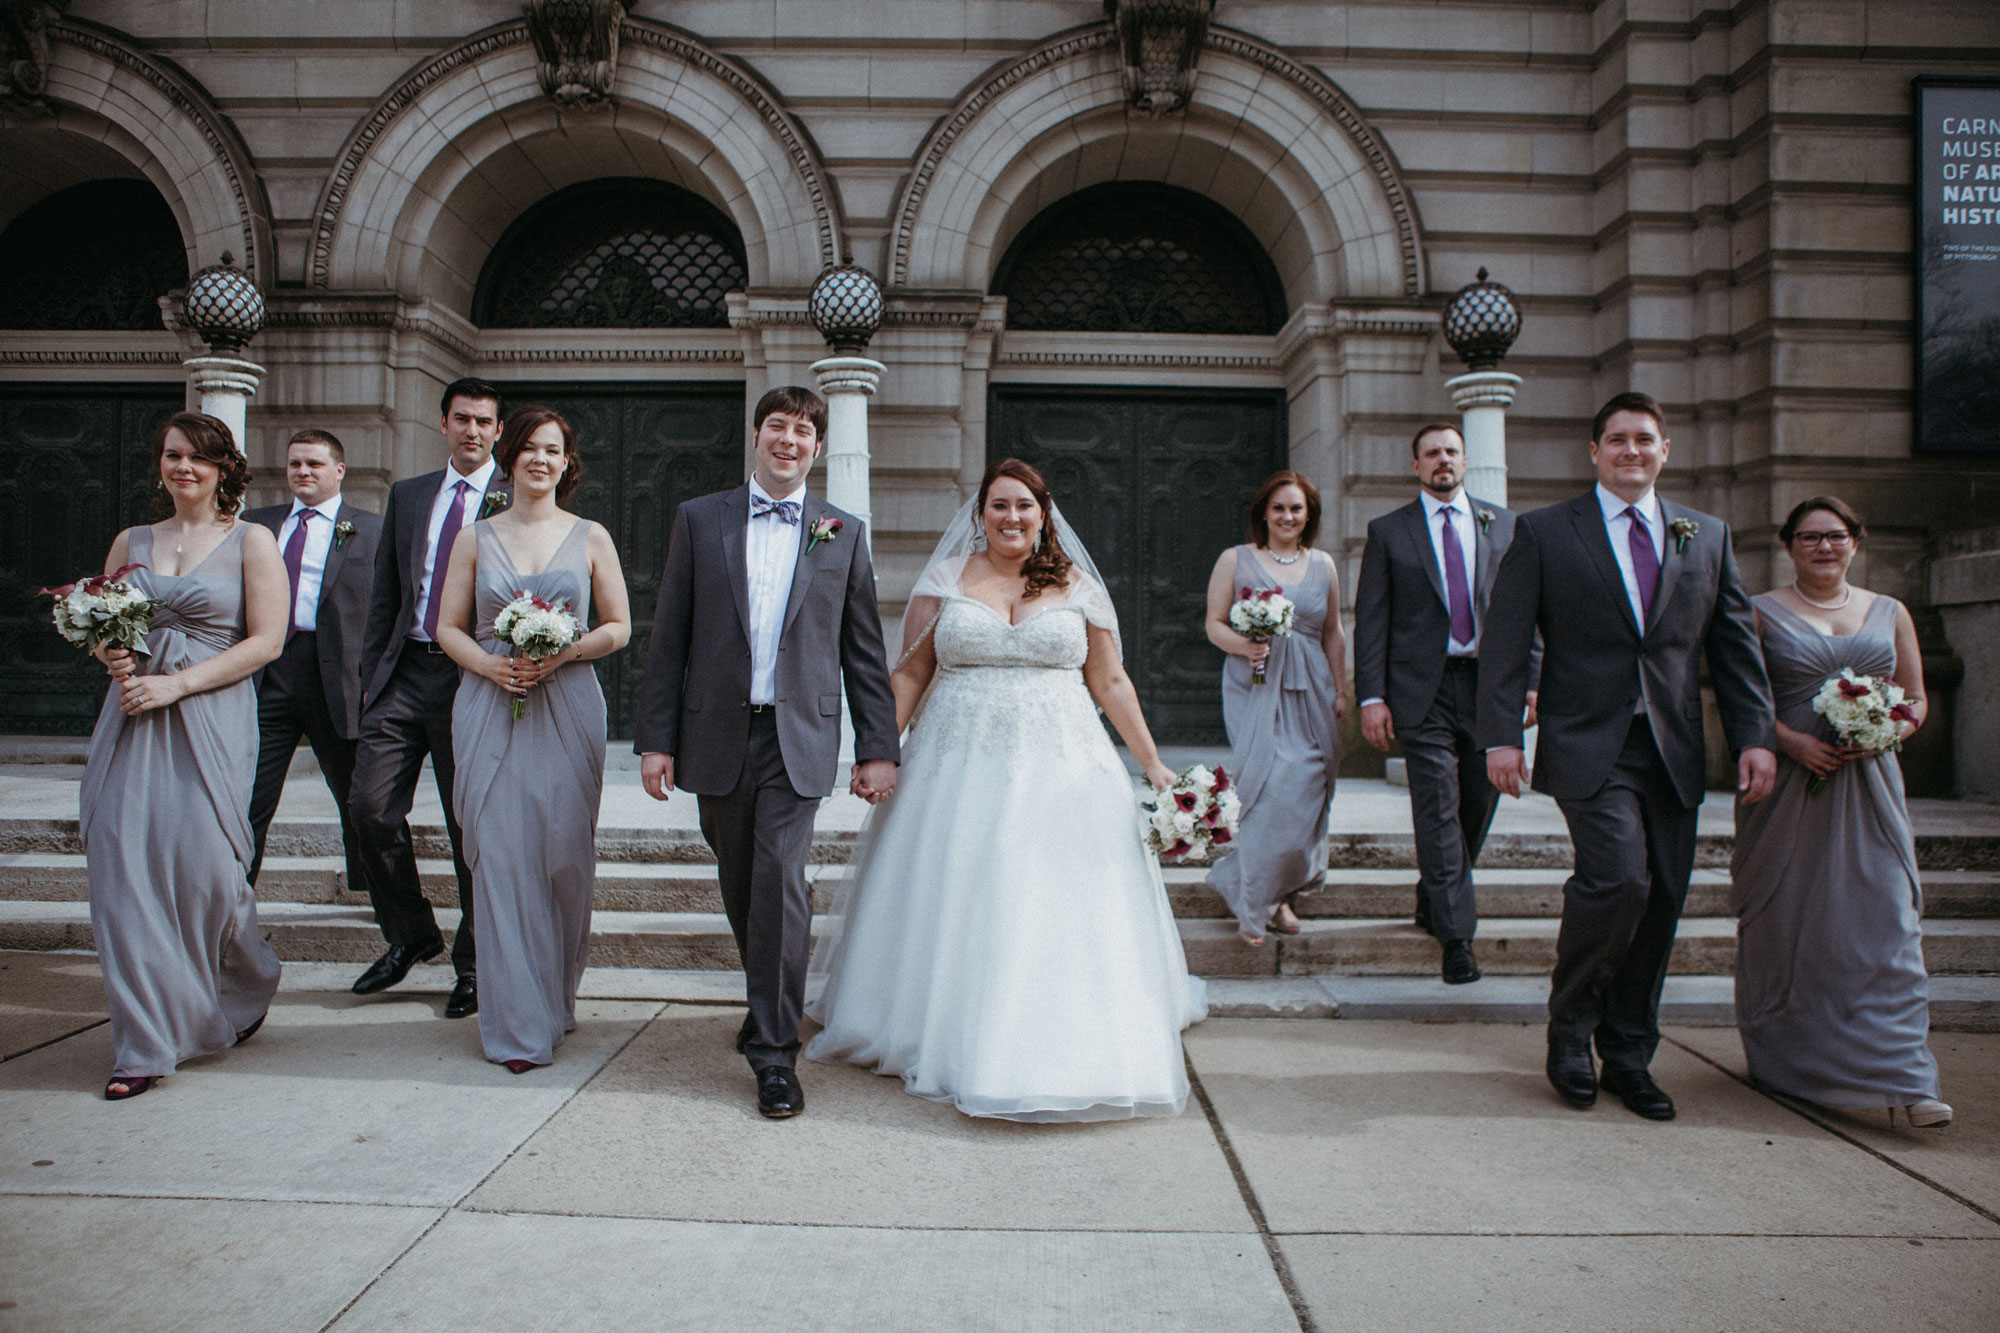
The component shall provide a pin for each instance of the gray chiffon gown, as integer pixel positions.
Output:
(1831, 994)
(1284, 754)
(526, 794)
(164, 814)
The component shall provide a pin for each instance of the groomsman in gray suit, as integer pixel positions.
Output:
(767, 607)
(1426, 574)
(314, 688)
(1628, 591)
(410, 685)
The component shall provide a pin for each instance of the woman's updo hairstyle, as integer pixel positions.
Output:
(525, 421)
(211, 442)
(1047, 566)
(1832, 504)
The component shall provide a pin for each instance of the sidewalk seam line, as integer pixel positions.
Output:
(53, 1040)
(1797, 1108)
(1280, 1266)
(453, 1207)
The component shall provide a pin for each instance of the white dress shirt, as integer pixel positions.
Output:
(1468, 554)
(1618, 526)
(312, 560)
(476, 487)
(770, 557)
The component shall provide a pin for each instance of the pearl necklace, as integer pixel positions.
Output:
(1291, 559)
(1845, 597)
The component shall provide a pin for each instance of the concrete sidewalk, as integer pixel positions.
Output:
(359, 1166)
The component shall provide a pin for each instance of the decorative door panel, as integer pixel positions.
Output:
(75, 468)
(1157, 484)
(644, 450)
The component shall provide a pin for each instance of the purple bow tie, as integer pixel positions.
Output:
(788, 510)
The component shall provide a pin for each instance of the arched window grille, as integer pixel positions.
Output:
(621, 253)
(94, 256)
(1139, 257)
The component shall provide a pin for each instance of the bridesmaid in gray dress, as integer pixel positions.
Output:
(527, 789)
(164, 806)
(1831, 994)
(1284, 735)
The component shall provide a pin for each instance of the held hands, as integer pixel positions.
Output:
(139, 694)
(1377, 727)
(874, 781)
(656, 774)
(1507, 768)
(1756, 774)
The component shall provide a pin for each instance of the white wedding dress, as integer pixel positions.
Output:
(1005, 942)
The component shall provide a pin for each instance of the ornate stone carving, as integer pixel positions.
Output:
(24, 48)
(1159, 41)
(576, 48)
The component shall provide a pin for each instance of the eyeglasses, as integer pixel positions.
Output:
(1812, 540)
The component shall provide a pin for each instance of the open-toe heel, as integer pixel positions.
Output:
(133, 1086)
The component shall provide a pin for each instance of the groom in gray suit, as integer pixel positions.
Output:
(1628, 590)
(1426, 575)
(767, 606)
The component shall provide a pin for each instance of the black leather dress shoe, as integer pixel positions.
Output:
(464, 998)
(394, 965)
(779, 1094)
(1459, 964)
(1642, 1096)
(745, 1033)
(1573, 1074)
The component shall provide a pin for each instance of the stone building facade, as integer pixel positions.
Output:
(1266, 203)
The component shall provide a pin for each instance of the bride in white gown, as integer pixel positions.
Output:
(1005, 943)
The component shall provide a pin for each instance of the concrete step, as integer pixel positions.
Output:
(666, 886)
(1360, 946)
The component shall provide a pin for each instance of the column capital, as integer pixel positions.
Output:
(849, 374)
(1483, 388)
(224, 374)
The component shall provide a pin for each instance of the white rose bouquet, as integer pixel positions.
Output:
(1262, 614)
(106, 609)
(537, 629)
(1197, 812)
(1863, 712)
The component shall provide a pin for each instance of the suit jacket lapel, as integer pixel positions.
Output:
(1420, 533)
(1482, 560)
(1588, 518)
(334, 555)
(1670, 568)
(735, 530)
(802, 568)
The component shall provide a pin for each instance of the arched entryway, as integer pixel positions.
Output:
(1156, 479)
(627, 253)
(74, 463)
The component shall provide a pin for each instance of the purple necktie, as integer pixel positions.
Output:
(1645, 562)
(1454, 578)
(454, 519)
(295, 554)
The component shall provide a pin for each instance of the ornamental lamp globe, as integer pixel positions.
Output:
(223, 306)
(1481, 321)
(845, 305)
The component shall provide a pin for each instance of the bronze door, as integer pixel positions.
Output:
(75, 468)
(1157, 483)
(644, 451)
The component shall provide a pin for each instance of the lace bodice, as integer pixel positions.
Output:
(972, 634)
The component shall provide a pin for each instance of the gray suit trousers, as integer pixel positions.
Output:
(1634, 844)
(1451, 804)
(761, 833)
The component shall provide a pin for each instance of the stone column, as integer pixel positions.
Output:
(846, 383)
(1483, 397)
(226, 385)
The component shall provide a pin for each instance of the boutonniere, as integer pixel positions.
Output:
(495, 502)
(341, 532)
(1485, 517)
(824, 530)
(1682, 528)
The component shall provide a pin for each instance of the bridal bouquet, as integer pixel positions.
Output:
(1198, 812)
(1262, 614)
(1863, 711)
(536, 628)
(106, 609)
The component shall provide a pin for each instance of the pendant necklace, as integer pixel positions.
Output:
(1845, 597)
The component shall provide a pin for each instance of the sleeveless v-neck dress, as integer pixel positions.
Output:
(527, 793)
(164, 814)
